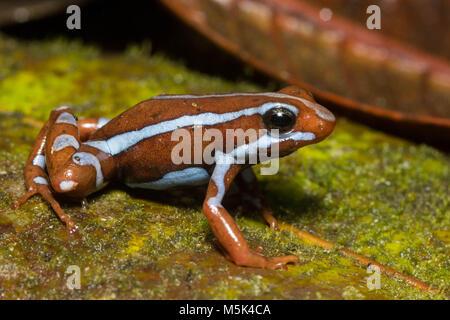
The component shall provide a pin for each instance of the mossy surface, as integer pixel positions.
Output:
(369, 192)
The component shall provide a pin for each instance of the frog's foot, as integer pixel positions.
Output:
(280, 262)
(85, 204)
(257, 260)
(45, 192)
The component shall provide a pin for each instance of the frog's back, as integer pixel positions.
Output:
(169, 107)
(140, 139)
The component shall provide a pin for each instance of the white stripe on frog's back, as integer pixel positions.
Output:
(187, 177)
(123, 141)
(320, 110)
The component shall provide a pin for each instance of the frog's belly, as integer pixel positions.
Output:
(188, 177)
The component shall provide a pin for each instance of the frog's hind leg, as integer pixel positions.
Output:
(55, 144)
(251, 194)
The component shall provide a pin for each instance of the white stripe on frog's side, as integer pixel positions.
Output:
(188, 177)
(40, 180)
(88, 159)
(63, 141)
(320, 110)
(66, 117)
(39, 161)
(123, 141)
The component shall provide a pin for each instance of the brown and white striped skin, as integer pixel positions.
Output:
(77, 158)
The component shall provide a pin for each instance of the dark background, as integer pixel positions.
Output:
(114, 25)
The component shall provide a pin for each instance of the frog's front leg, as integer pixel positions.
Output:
(226, 229)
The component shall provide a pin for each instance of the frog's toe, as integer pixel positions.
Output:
(271, 220)
(281, 262)
(259, 250)
(18, 202)
(71, 227)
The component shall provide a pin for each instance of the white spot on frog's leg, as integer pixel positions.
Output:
(66, 117)
(88, 159)
(39, 161)
(67, 185)
(223, 164)
(40, 180)
(186, 177)
(64, 141)
(102, 121)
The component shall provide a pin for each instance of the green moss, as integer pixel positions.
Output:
(67, 73)
(370, 192)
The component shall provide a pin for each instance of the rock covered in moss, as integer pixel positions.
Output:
(372, 193)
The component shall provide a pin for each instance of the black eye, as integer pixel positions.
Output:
(279, 118)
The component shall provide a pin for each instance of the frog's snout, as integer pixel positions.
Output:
(73, 181)
(325, 127)
(323, 124)
(63, 182)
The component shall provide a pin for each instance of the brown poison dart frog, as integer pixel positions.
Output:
(78, 157)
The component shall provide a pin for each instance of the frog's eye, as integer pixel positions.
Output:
(279, 118)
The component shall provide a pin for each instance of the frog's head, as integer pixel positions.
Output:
(82, 174)
(299, 119)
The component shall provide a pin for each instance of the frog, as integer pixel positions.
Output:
(77, 157)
